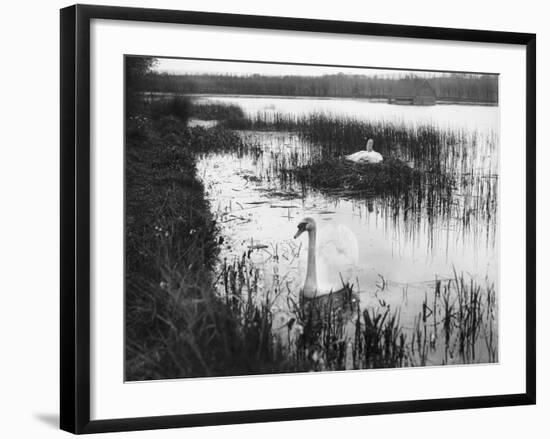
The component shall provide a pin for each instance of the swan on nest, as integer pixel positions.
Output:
(366, 156)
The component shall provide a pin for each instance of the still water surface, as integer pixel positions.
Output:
(483, 119)
(399, 255)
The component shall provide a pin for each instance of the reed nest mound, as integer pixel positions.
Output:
(391, 175)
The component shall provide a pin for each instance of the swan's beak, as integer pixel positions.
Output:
(302, 227)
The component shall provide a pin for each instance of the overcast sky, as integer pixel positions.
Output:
(188, 66)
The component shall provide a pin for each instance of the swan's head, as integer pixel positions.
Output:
(370, 144)
(306, 225)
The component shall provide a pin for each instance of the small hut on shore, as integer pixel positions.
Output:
(412, 92)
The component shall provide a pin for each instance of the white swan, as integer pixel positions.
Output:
(336, 251)
(320, 305)
(366, 156)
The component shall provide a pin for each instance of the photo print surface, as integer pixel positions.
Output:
(286, 218)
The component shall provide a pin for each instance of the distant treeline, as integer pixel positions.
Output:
(459, 87)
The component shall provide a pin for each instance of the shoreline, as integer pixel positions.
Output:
(381, 100)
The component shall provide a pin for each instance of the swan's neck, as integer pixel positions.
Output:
(310, 285)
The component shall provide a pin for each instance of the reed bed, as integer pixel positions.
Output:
(458, 169)
(216, 111)
(426, 146)
(184, 108)
(178, 107)
(455, 324)
(389, 176)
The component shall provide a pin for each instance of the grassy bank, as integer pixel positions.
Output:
(176, 324)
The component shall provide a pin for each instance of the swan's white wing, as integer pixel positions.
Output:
(375, 157)
(337, 255)
(356, 156)
(347, 243)
(338, 244)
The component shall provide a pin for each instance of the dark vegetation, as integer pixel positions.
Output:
(391, 175)
(217, 112)
(184, 109)
(170, 249)
(415, 162)
(440, 173)
(176, 323)
(453, 87)
(177, 107)
(428, 147)
(136, 68)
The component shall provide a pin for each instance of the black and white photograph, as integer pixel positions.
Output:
(286, 218)
(275, 219)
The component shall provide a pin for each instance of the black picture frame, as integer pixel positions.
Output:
(75, 217)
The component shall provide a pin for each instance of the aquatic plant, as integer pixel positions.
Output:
(216, 111)
(176, 106)
(389, 176)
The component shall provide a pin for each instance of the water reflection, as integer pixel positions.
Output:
(404, 250)
(483, 119)
(405, 243)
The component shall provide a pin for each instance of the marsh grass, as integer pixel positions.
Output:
(184, 108)
(389, 176)
(176, 324)
(216, 111)
(178, 107)
(463, 322)
(450, 174)
(425, 146)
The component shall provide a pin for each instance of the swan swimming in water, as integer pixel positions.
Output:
(338, 250)
(315, 302)
(366, 156)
